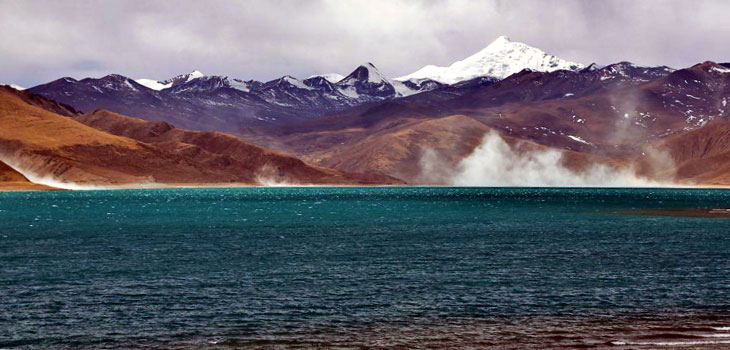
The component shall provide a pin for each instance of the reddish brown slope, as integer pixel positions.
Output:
(217, 149)
(50, 145)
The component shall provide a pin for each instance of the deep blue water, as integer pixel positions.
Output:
(360, 267)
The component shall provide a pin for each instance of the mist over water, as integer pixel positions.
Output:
(495, 163)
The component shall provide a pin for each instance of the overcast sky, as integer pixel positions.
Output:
(45, 40)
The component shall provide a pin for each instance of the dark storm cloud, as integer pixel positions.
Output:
(44, 40)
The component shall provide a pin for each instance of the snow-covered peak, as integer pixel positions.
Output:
(499, 59)
(331, 77)
(17, 87)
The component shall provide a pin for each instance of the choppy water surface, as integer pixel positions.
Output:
(363, 268)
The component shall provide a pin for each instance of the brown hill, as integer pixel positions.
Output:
(50, 145)
(220, 149)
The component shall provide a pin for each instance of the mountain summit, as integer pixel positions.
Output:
(499, 60)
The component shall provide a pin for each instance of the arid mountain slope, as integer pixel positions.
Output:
(215, 149)
(56, 148)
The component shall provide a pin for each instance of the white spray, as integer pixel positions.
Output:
(495, 163)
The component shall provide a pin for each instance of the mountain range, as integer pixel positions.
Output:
(663, 124)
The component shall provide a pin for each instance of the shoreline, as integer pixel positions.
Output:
(33, 187)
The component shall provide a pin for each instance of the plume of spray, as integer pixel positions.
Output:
(269, 176)
(47, 180)
(495, 163)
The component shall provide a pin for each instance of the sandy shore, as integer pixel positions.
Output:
(26, 186)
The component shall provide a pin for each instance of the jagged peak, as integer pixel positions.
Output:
(366, 72)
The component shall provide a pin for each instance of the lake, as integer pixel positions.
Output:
(414, 267)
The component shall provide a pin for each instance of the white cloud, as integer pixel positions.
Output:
(44, 40)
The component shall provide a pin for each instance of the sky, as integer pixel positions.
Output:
(263, 40)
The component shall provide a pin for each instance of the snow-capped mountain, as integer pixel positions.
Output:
(328, 91)
(206, 102)
(499, 60)
(212, 102)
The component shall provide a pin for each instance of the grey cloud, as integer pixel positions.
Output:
(87, 65)
(45, 40)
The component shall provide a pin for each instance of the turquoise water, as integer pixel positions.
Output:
(361, 268)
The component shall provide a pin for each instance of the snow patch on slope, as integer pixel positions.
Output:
(153, 84)
(296, 83)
